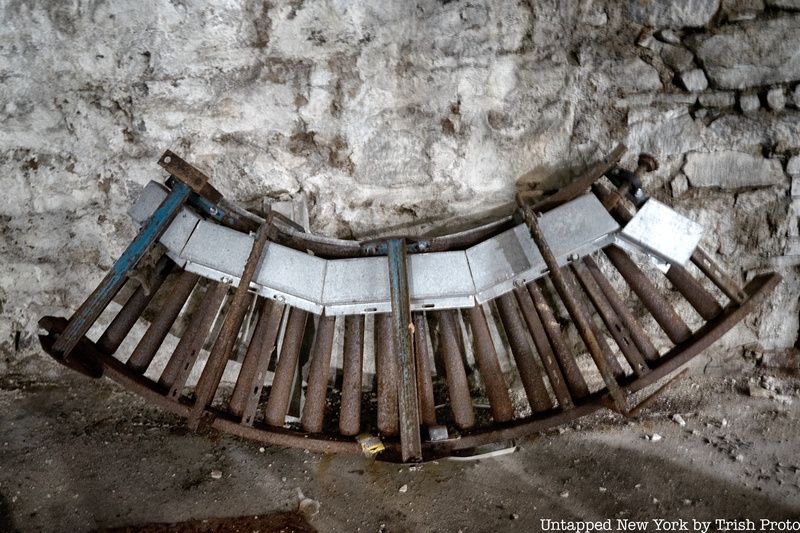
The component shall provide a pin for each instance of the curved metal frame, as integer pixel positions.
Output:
(66, 341)
(150, 390)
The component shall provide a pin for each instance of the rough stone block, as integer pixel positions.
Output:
(672, 13)
(677, 58)
(736, 10)
(732, 170)
(784, 4)
(793, 166)
(749, 103)
(751, 54)
(694, 80)
(679, 184)
(776, 99)
(717, 99)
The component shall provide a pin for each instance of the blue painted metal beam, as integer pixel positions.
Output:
(403, 333)
(94, 305)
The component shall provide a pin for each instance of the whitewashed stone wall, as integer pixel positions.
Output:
(387, 113)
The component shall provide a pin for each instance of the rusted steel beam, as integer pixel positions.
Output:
(536, 329)
(718, 277)
(613, 362)
(194, 178)
(226, 340)
(318, 375)
(122, 324)
(386, 370)
(422, 356)
(619, 332)
(489, 366)
(179, 366)
(350, 412)
(639, 337)
(651, 398)
(528, 368)
(578, 186)
(582, 322)
(247, 391)
(278, 400)
(93, 306)
(572, 374)
(666, 317)
(268, 346)
(403, 337)
(457, 385)
(691, 289)
(149, 344)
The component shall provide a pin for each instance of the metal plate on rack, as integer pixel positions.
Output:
(573, 230)
(358, 285)
(663, 232)
(291, 276)
(440, 280)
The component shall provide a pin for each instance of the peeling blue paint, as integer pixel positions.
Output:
(155, 226)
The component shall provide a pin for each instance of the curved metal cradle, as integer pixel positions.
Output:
(222, 420)
(497, 275)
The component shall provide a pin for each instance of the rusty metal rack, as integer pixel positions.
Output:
(404, 348)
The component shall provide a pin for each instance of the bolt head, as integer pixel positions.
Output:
(648, 162)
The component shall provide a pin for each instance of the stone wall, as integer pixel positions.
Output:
(388, 113)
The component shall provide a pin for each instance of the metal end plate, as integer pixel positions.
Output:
(663, 232)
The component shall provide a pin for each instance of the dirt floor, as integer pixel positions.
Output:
(81, 455)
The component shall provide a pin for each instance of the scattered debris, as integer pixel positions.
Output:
(306, 506)
(216, 474)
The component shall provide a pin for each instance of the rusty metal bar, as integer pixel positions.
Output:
(489, 366)
(572, 374)
(639, 337)
(457, 385)
(268, 346)
(619, 332)
(179, 366)
(403, 336)
(143, 355)
(605, 349)
(386, 370)
(542, 344)
(691, 289)
(350, 412)
(226, 340)
(122, 324)
(93, 306)
(278, 401)
(582, 322)
(580, 185)
(718, 277)
(190, 175)
(528, 368)
(256, 361)
(666, 317)
(427, 404)
(318, 375)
